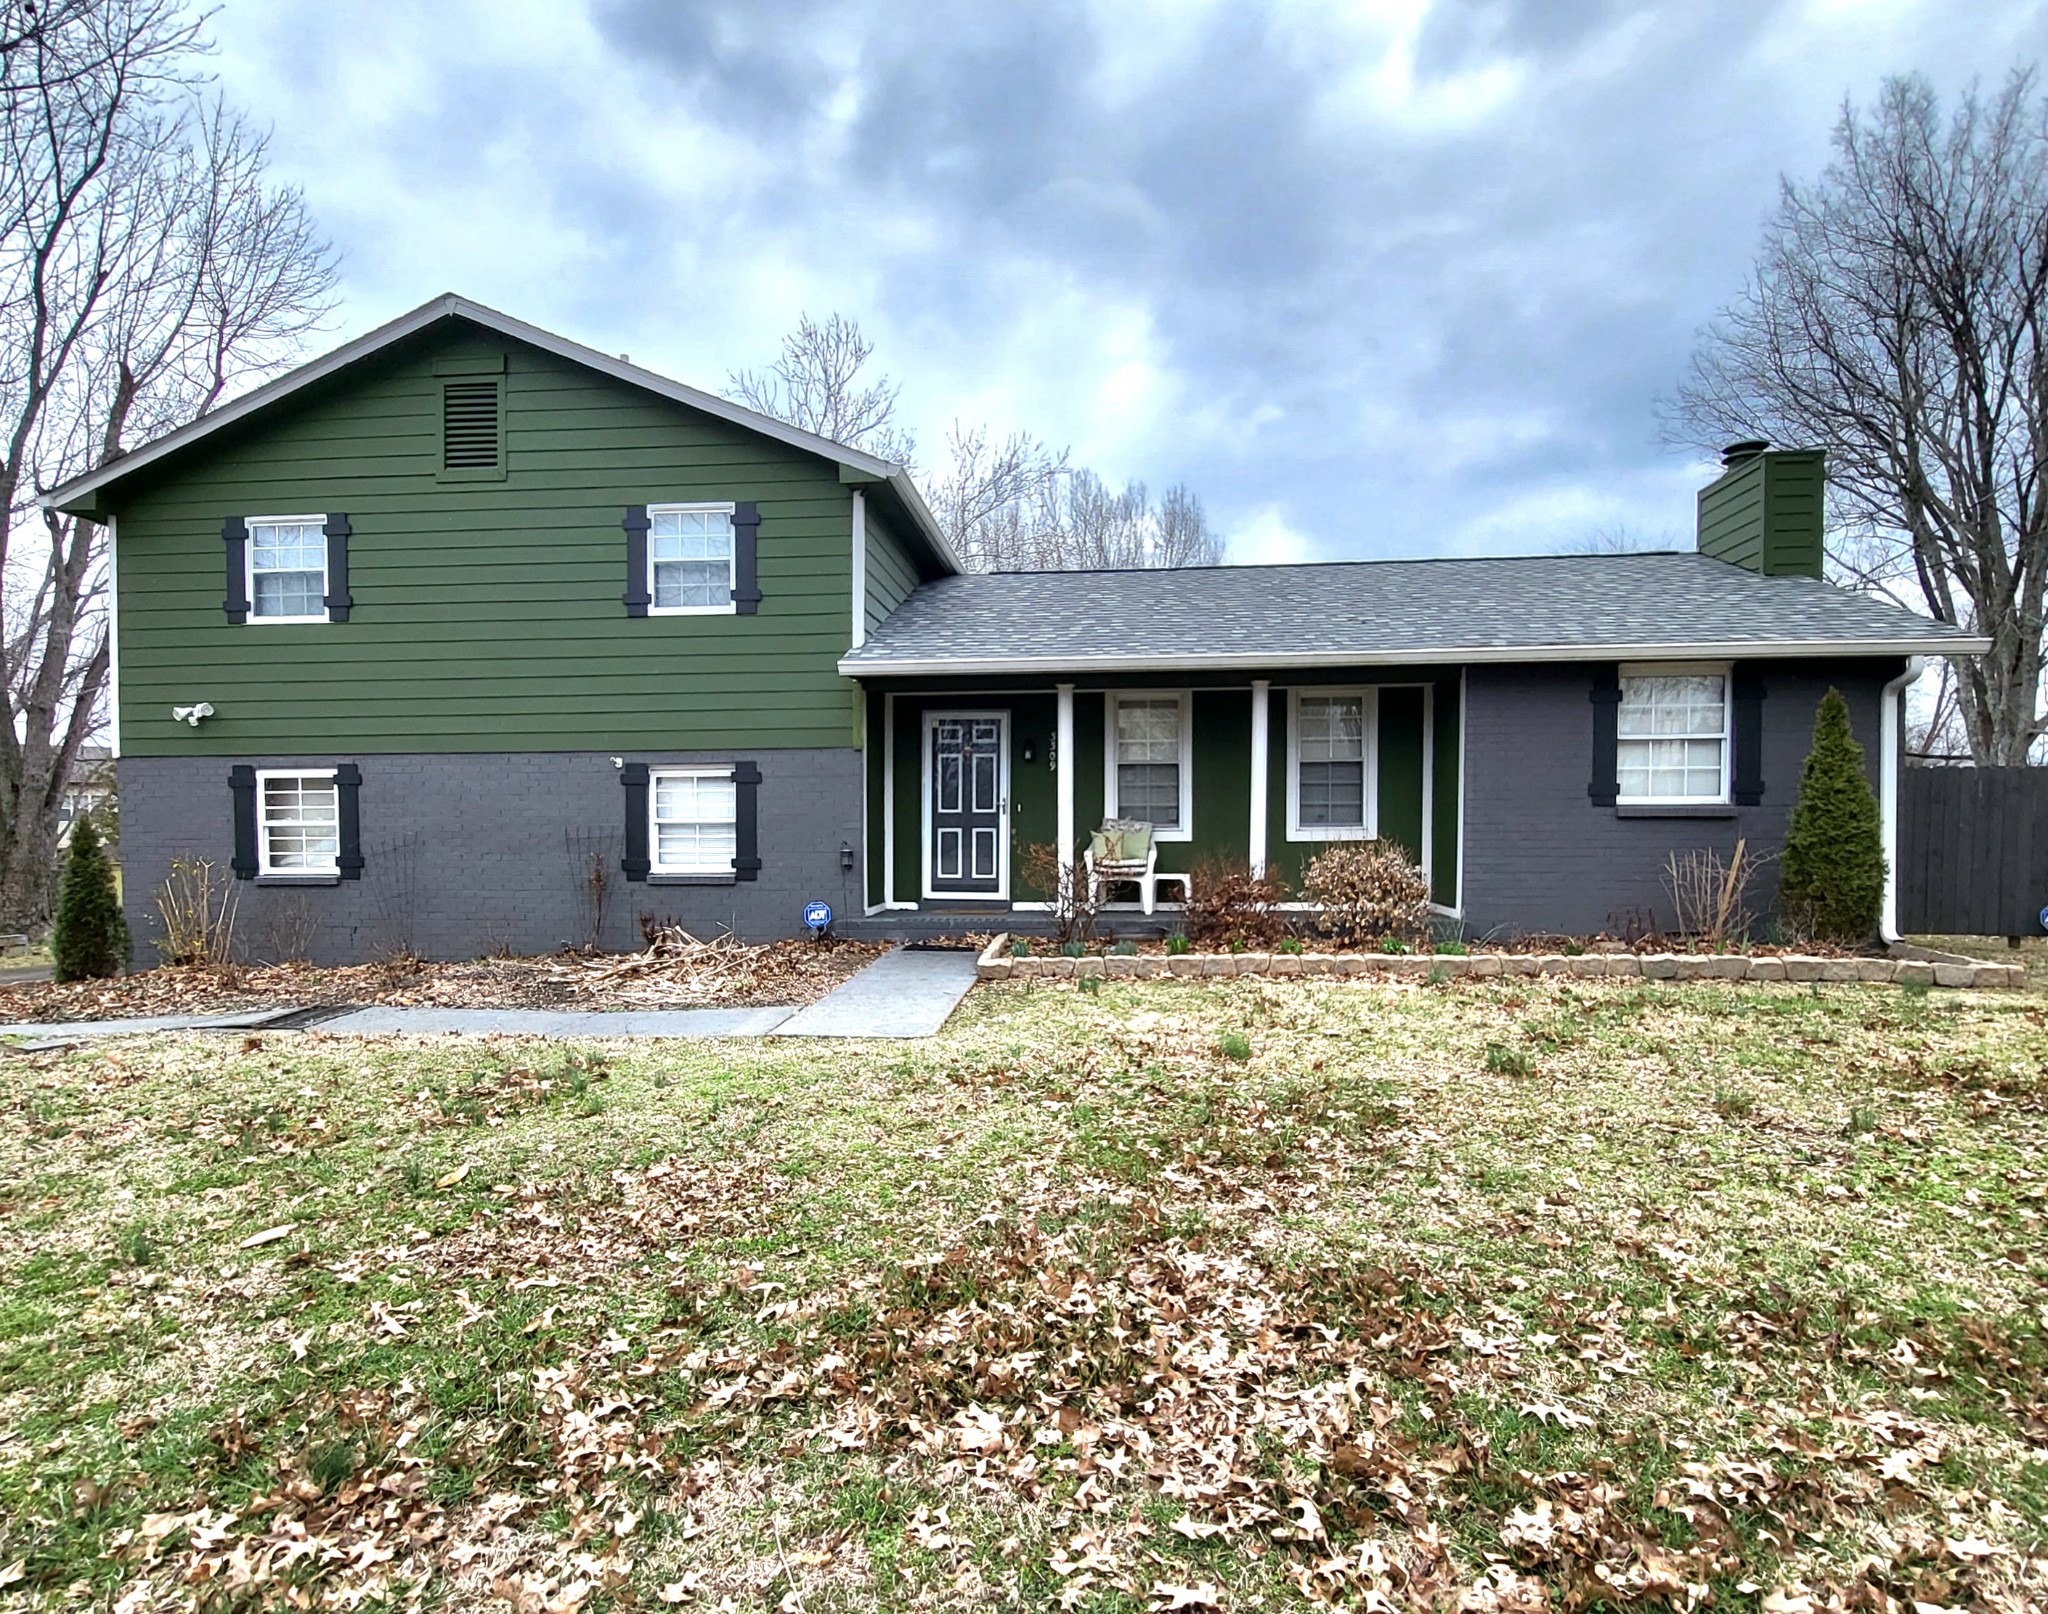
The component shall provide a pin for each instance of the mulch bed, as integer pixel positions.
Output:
(721, 974)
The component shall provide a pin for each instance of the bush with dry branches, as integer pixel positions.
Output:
(196, 907)
(1229, 906)
(1710, 893)
(1366, 890)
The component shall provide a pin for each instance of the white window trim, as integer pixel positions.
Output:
(249, 526)
(1725, 671)
(712, 507)
(654, 778)
(1186, 829)
(1368, 697)
(264, 866)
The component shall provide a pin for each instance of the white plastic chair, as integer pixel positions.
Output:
(1141, 872)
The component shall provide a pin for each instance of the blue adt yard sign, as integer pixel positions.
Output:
(2044, 918)
(817, 915)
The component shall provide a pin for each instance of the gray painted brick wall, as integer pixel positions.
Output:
(1540, 856)
(466, 855)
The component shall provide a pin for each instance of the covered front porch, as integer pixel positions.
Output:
(966, 775)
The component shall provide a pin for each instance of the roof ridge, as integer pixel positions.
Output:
(1315, 565)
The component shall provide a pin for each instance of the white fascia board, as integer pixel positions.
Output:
(454, 307)
(1736, 650)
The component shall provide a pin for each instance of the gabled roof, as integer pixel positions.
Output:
(1518, 608)
(79, 490)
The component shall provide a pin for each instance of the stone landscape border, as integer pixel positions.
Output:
(1925, 969)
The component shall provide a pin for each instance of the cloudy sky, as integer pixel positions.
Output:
(1378, 277)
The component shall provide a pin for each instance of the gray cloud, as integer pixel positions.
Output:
(1390, 293)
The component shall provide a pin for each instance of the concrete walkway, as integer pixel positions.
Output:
(66, 1029)
(904, 993)
(901, 994)
(558, 1022)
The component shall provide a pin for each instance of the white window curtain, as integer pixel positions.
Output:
(694, 823)
(1672, 737)
(690, 555)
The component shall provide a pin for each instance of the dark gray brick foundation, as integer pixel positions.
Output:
(466, 855)
(1541, 857)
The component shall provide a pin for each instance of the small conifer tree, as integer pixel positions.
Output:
(89, 938)
(1832, 884)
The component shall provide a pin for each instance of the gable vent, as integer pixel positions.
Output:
(469, 425)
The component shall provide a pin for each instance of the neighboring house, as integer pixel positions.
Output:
(415, 636)
(90, 788)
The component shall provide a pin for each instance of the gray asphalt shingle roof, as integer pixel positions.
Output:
(1551, 607)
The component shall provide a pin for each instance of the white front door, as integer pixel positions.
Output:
(967, 804)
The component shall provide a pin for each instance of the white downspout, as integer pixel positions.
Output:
(1262, 741)
(860, 569)
(1890, 760)
(113, 638)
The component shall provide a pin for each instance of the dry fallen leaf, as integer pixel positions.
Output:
(270, 1235)
(1203, 1596)
(453, 1177)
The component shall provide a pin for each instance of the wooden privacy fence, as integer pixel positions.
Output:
(1973, 851)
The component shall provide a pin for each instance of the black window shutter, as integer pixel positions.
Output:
(746, 576)
(234, 534)
(634, 777)
(746, 821)
(242, 785)
(338, 600)
(1746, 767)
(1605, 786)
(348, 779)
(637, 598)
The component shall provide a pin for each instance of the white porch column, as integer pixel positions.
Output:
(1262, 691)
(1063, 777)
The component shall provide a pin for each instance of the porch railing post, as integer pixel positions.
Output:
(1063, 778)
(1262, 690)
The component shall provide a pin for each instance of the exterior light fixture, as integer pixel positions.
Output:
(846, 856)
(192, 714)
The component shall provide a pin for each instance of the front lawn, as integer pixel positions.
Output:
(1506, 1294)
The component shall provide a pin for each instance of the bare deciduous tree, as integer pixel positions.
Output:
(1008, 504)
(147, 269)
(992, 496)
(1896, 319)
(816, 384)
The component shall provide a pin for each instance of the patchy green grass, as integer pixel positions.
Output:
(1510, 1294)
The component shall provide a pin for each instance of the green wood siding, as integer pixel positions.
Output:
(892, 573)
(487, 614)
(1767, 514)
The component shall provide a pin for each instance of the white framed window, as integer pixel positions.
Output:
(1332, 780)
(1672, 744)
(693, 826)
(287, 568)
(298, 822)
(689, 559)
(1149, 771)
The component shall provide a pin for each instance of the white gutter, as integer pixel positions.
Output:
(882, 666)
(1890, 759)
